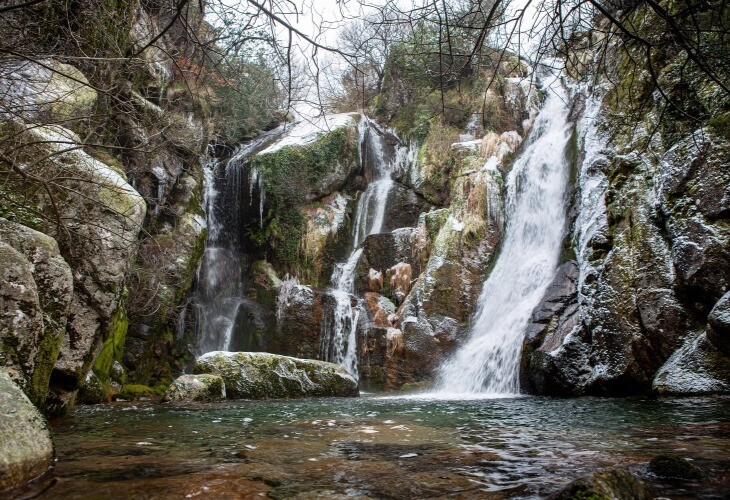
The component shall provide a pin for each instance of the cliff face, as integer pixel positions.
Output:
(640, 305)
(101, 213)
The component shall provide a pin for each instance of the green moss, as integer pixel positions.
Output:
(137, 391)
(288, 175)
(48, 349)
(113, 347)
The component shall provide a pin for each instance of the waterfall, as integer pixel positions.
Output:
(488, 363)
(339, 338)
(220, 287)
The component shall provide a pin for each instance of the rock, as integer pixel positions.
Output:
(698, 367)
(300, 313)
(384, 251)
(403, 208)
(102, 217)
(35, 346)
(26, 449)
(549, 364)
(204, 388)
(609, 483)
(250, 375)
(322, 156)
(670, 466)
(718, 329)
(47, 90)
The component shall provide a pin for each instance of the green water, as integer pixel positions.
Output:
(373, 447)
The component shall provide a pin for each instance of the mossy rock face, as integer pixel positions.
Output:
(27, 344)
(258, 375)
(605, 484)
(26, 450)
(670, 466)
(204, 387)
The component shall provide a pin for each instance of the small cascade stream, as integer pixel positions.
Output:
(219, 294)
(488, 363)
(339, 338)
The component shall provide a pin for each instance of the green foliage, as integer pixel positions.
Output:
(288, 175)
(113, 347)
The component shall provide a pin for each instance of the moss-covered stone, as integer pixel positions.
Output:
(605, 484)
(671, 466)
(204, 387)
(256, 375)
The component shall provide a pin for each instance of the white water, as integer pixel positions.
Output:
(489, 361)
(220, 294)
(339, 339)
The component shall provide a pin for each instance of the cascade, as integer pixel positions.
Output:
(339, 336)
(488, 363)
(220, 289)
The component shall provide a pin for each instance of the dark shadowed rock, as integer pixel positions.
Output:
(718, 329)
(605, 484)
(670, 466)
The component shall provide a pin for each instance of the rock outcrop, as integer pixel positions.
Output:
(256, 375)
(203, 388)
(26, 450)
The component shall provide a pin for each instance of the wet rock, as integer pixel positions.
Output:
(670, 466)
(204, 388)
(613, 483)
(262, 376)
(698, 367)
(549, 365)
(299, 321)
(26, 450)
(718, 329)
(384, 251)
(403, 208)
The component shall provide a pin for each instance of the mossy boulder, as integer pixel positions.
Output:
(26, 449)
(205, 387)
(605, 484)
(47, 90)
(36, 281)
(671, 466)
(258, 375)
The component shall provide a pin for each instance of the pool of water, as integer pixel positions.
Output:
(379, 447)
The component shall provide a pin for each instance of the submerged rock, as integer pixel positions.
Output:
(610, 483)
(259, 375)
(204, 387)
(670, 466)
(26, 450)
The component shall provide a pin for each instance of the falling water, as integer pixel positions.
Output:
(220, 290)
(489, 361)
(339, 335)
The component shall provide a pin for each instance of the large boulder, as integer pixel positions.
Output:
(698, 367)
(26, 449)
(205, 388)
(258, 375)
(36, 287)
(97, 227)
